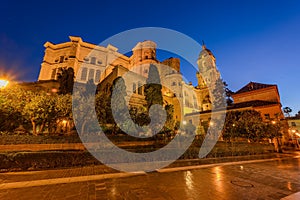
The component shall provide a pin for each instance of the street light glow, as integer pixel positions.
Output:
(3, 83)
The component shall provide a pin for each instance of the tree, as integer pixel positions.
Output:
(40, 110)
(245, 124)
(228, 94)
(119, 106)
(12, 101)
(65, 79)
(298, 115)
(170, 122)
(251, 125)
(287, 111)
(230, 128)
(152, 90)
(154, 99)
(63, 106)
(219, 96)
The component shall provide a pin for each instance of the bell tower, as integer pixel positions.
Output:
(208, 73)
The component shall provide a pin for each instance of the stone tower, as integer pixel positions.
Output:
(208, 73)
(207, 77)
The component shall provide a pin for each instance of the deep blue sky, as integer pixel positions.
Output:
(252, 40)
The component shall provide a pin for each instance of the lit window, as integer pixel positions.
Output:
(93, 60)
(91, 74)
(83, 74)
(97, 77)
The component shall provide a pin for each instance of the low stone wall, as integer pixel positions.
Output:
(64, 147)
(42, 147)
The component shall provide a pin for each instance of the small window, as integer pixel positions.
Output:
(97, 76)
(91, 74)
(190, 121)
(174, 84)
(83, 74)
(93, 60)
(61, 59)
(146, 71)
(293, 123)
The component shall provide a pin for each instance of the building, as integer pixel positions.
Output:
(263, 98)
(104, 64)
(294, 126)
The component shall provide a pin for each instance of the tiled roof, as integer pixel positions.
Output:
(254, 103)
(247, 104)
(253, 86)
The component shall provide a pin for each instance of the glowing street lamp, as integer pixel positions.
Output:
(3, 83)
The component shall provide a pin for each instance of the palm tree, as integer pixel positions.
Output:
(287, 110)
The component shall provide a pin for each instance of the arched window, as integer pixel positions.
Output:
(83, 74)
(91, 74)
(93, 60)
(97, 76)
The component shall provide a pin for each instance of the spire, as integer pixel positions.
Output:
(203, 45)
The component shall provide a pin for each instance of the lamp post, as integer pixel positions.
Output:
(276, 141)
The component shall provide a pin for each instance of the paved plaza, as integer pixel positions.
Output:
(259, 179)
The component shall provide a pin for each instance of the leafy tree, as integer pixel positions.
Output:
(298, 114)
(170, 122)
(12, 101)
(40, 110)
(228, 94)
(118, 103)
(245, 124)
(154, 98)
(65, 79)
(219, 96)
(139, 115)
(103, 108)
(152, 90)
(63, 107)
(83, 106)
(230, 128)
(287, 111)
(251, 125)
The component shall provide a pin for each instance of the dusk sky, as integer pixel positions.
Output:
(252, 40)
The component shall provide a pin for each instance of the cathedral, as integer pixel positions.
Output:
(192, 104)
(104, 64)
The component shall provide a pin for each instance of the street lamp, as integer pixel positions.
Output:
(3, 83)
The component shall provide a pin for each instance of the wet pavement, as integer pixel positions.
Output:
(269, 179)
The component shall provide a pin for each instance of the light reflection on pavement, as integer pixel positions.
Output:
(262, 180)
